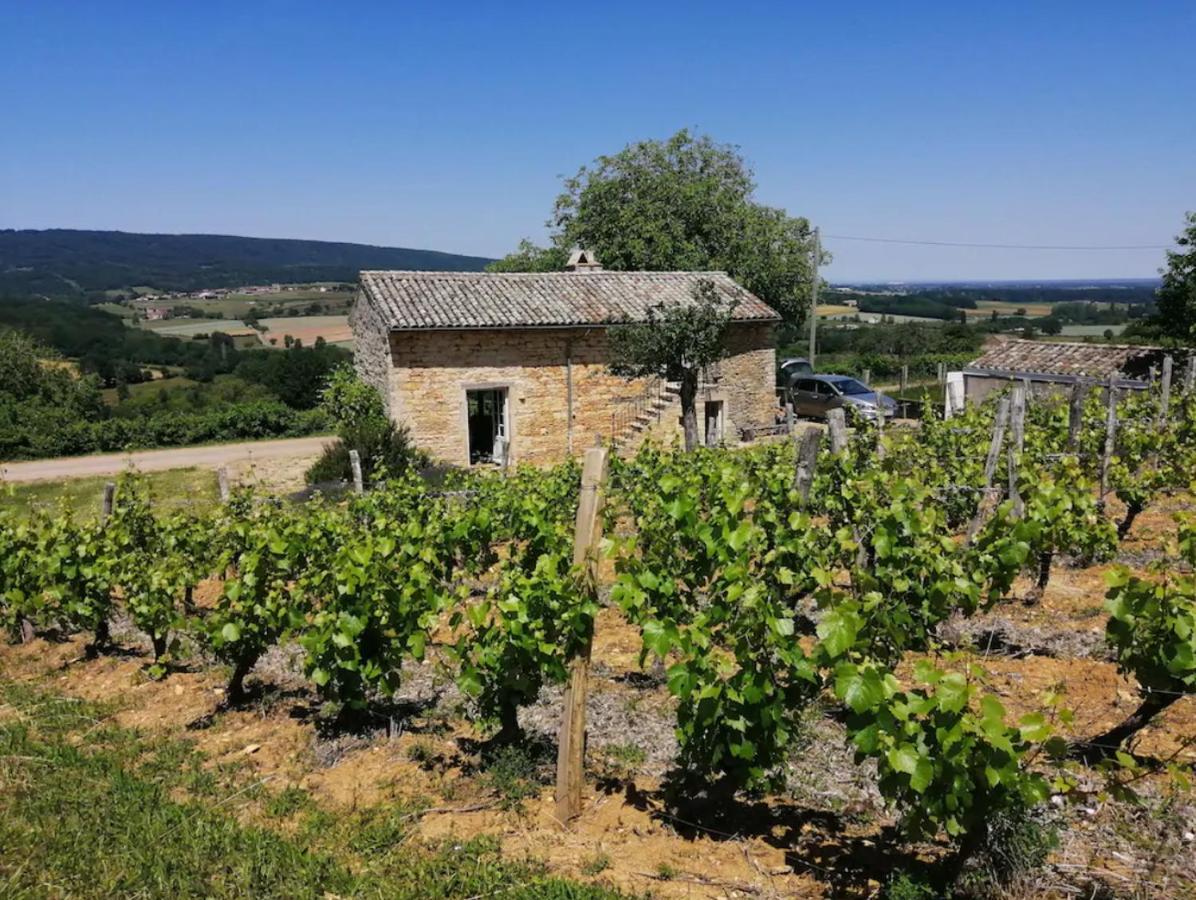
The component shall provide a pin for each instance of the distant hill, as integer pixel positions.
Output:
(66, 263)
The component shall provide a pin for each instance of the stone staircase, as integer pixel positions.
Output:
(659, 400)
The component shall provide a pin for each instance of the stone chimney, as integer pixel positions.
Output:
(583, 261)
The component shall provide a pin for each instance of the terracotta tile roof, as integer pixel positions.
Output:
(1068, 358)
(417, 300)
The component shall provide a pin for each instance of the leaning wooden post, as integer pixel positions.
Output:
(836, 421)
(807, 459)
(222, 482)
(904, 381)
(868, 377)
(988, 499)
(788, 417)
(355, 465)
(1165, 391)
(1075, 415)
(1190, 376)
(587, 535)
(1110, 437)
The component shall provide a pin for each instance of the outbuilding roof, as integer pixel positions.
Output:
(1070, 359)
(473, 300)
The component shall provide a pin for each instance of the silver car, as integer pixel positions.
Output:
(816, 395)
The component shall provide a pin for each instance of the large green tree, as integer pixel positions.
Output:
(676, 341)
(684, 204)
(1177, 296)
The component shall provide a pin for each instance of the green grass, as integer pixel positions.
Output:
(91, 810)
(197, 488)
(173, 383)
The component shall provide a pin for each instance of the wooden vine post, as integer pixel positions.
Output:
(571, 744)
(836, 421)
(807, 459)
(1017, 442)
(222, 482)
(107, 500)
(988, 499)
(1110, 437)
(1075, 415)
(355, 464)
(1165, 391)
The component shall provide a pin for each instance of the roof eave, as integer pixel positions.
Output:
(559, 326)
(1055, 377)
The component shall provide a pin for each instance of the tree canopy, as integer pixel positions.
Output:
(1177, 296)
(677, 342)
(681, 204)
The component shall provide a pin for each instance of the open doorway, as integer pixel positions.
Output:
(489, 438)
(713, 432)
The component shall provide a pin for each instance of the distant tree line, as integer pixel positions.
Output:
(50, 408)
(116, 354)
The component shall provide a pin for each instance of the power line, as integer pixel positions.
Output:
(879, 240)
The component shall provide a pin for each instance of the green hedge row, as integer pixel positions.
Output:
(31, 432)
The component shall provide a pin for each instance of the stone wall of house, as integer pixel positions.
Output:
(747, 379)
(430, 373)
(371, 349)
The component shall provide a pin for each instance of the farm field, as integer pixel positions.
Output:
(192, 327)
(829, 310)
(1091, 330)
(333, 329)
(985, 308)
(791, 673)
(237, 306)
(170, 383)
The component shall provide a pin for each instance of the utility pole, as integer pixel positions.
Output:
(817, 256)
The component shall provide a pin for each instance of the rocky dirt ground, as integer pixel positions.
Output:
(827, 835)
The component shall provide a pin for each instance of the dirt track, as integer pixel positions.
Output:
(211, 457)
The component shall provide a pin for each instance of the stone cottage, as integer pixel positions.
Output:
(498, 367)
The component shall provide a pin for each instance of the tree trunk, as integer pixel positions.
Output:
(189, 600)
(689, 408)
(967, 847)
(1044, 568)
(1045, 558)
(159, 642)
(236, 684)
(27, 633)
(1131, 513)
(1105, 745)
(509, 731)
(103, 637)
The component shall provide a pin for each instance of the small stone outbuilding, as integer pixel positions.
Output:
(1048, 366)
(505, 367)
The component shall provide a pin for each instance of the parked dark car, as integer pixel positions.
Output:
(816, 395)
(792, 368)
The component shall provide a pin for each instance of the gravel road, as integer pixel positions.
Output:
(211, 457)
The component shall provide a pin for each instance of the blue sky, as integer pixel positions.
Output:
(448, 125)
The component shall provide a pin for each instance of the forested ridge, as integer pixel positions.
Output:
(67, 263)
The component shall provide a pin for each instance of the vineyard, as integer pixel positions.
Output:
(855, 662)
